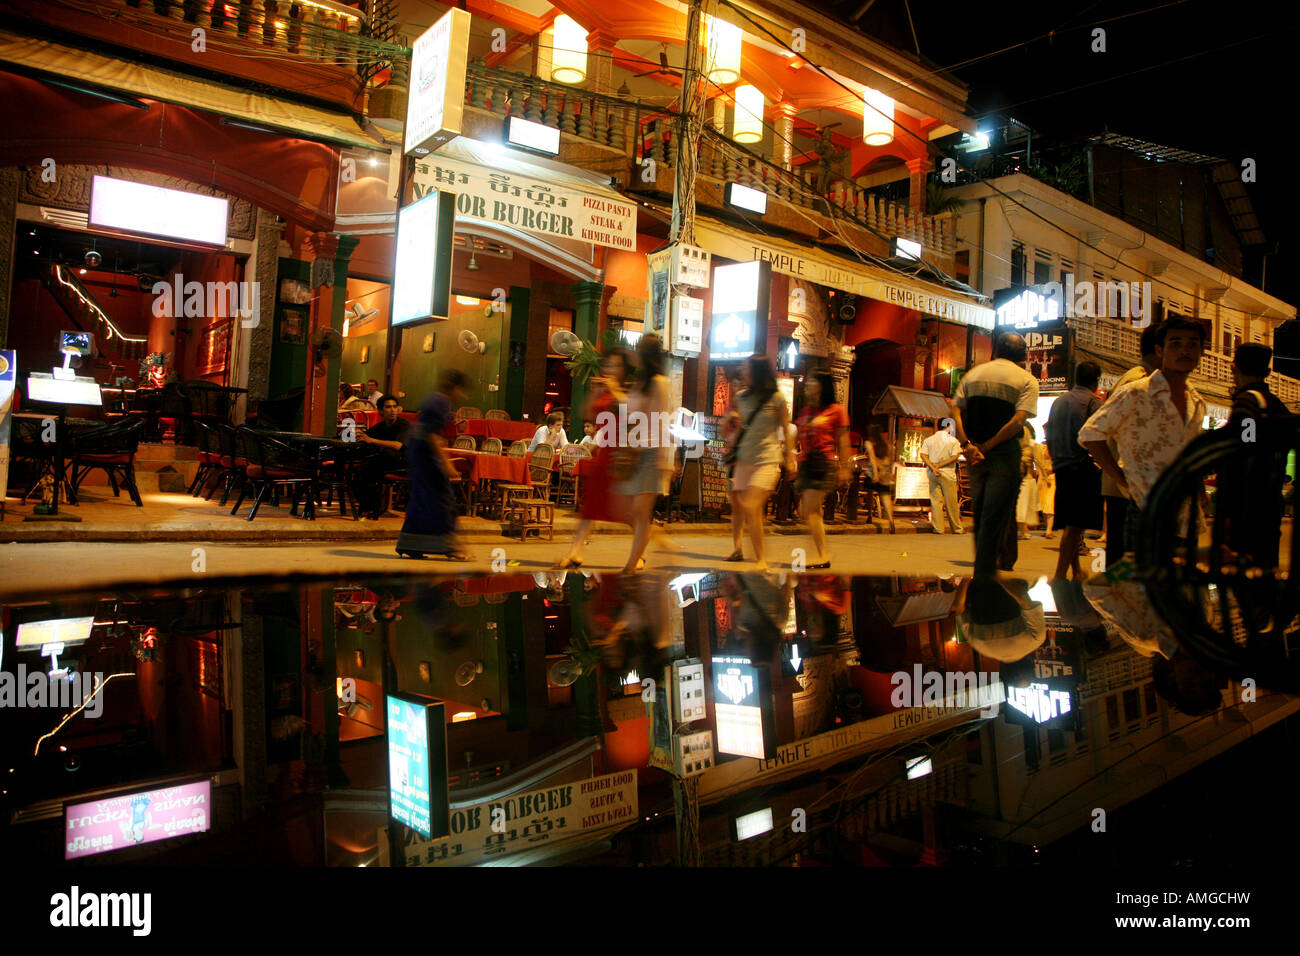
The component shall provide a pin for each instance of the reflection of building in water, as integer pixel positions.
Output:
(1039, 778)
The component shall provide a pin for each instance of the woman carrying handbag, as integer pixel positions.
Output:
(756, 456)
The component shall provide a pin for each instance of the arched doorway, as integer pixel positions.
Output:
(878, 365)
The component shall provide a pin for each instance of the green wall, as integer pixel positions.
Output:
(420, 369)
(352, 369)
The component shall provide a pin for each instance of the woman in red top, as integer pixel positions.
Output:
(597, 502)
(824, 457)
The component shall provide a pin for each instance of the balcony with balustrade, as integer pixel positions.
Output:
(1120, 341)
(637, 143)
(320, 51)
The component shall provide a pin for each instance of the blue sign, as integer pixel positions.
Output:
(417, 765)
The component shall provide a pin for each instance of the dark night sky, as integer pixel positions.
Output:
(1232, 101)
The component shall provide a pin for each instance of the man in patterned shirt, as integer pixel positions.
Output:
(1152, 419)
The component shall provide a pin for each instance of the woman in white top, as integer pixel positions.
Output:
(552, 433)
(758, 455)
(652, 444)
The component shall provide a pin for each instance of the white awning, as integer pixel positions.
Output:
(166, 86)
(856, 277)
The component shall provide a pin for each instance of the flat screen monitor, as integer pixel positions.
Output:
(81, 344)
(62, 630)
(59, 391)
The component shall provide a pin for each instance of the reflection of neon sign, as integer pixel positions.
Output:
(734, 685)
(1038, 702)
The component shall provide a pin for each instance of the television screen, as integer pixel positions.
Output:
(78, 343)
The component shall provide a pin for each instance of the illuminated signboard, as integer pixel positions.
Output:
(1027, 309)
(1039, 702)
(1038, 317)
(63, 630)
(436, 100)
(742, 707)
(115, 823)
(417, 765)
(743, 197)
(155, 211)
(740, 306)
(422, 274)
(528, 135)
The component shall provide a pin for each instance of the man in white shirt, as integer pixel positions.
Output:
(1152, 419)
(940, 453)
(552, 433)
(373, 394)
(588, 439)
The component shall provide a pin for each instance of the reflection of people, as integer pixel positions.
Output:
(1252, 496)
(1077, 477)
(430, 525)
(1001, 620)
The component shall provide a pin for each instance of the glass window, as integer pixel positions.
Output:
(1018, 263)
(1131, 710)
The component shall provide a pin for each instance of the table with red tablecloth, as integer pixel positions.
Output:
(485, 467)
(494, 428)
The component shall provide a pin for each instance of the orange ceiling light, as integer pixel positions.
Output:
(569, 54)
(877, 118)
(724, 41)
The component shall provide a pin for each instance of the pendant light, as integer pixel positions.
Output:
(723, 52)
(747, 121)
(877, 118)
(569, 54)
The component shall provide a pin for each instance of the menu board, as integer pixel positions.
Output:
(713, 472)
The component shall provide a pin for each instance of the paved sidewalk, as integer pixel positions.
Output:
(29, 569)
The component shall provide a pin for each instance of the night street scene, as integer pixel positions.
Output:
(716, 436)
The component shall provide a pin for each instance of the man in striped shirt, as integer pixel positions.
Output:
(992, 404)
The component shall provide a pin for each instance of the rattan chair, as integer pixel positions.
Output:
(467, 412)
(497, 415)
(568, 482)
(517, 449)
(492, 446)
(463, 442)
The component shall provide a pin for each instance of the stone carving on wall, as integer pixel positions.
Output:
(71, 190)
(815, 332)
(259, 354)
(9, 187)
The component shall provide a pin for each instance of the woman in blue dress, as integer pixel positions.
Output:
(430, 525)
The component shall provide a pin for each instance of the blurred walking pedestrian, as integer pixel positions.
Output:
(825, 459)
(1046, 485)
(430, 525)
(597, 502)
(1252, 494)
(757, 455)
(654, 453)
(880, 455)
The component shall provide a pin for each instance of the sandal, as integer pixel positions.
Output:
(734, 556)
(411, 554)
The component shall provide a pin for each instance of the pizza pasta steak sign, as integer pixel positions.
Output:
(522, 202)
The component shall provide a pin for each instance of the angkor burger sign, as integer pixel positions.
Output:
(522, 202)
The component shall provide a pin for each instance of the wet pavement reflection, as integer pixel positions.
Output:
(657, 719)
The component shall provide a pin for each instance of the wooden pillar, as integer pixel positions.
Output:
(600, 62)
(917, 170)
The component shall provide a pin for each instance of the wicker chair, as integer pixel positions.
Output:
(492, 446)
(497, 415)
(463, 442)
(467, 412)
(567, 487)
(517, 449)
